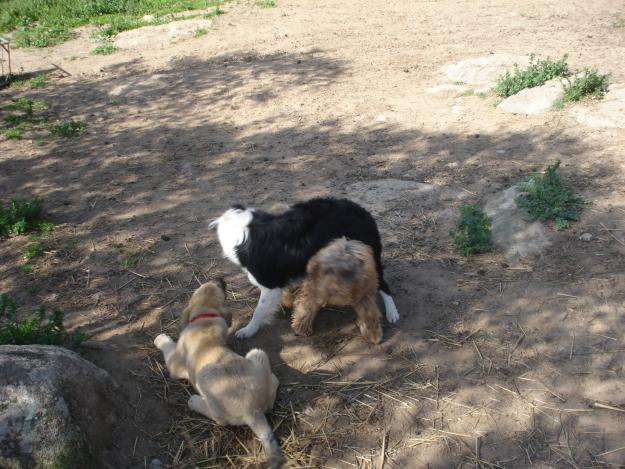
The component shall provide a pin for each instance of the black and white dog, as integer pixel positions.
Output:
(274, 249)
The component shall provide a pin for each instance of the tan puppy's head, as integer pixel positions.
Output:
(208, 297)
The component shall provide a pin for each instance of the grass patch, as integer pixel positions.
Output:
(34, 249)
(472, 234)
(104, 49)
(129, 261)
(14, 133)
(545, 197)
(21, 216)
(44, 35)
(67, 128)
(27, 269)
(38, 328)
(41, 23)
(199, 32)
(536, 74)
(38, 81)
(266, 4)
(592, 83)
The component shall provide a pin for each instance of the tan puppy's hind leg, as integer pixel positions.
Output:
(200, 405)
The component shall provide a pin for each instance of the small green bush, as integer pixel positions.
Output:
(592, 83)
(40, 328)
(67, 128)
(536, 74)
(266, 4)
(472, 234)
(21, 216)
(13, 133)
(544, 197)
(104, 49)
(34, 249)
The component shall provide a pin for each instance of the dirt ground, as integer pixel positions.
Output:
(490, 365)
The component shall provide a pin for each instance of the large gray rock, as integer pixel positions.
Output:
(534, 100)
(510, 232)
(56, 409)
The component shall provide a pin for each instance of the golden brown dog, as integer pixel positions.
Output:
(342, 274)
(232, 390)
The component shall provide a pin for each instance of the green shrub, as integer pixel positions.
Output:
(34, 249)
(544, 197)
(13, 133)
(472, 234)
(104, 49)
(39, 328)
(266, 4)
(67, 128)
(592, 83)
(21, 216)
(536, 74)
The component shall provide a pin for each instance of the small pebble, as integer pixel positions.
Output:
(586, 237)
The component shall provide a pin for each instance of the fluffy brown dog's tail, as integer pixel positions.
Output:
(265, 434)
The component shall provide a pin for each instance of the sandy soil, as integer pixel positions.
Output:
(490, 365)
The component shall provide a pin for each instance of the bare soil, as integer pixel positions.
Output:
(490, 365)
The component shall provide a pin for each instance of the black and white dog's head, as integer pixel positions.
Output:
(232, 230)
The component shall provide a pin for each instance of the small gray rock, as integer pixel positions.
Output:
(585, 237)
(534, 100)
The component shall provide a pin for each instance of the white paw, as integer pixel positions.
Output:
(196, 403)
(246, 332)
(392, 315)
(161, 340)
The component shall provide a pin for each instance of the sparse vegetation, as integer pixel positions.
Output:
(544, 197)
(21, 216)
(472, 234)
(129, 261)
(199, 32)
(536, 74)
(13, 133)
(592, 83)
(34, 249)
(41, 23)
(40, 328)
(266, 4)
(67, 128)
(104, 49)
(38, 81)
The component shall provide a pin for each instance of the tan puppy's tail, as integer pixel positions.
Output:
(265, 434)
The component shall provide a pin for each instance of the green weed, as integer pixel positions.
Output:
(129, 261)
(104, 49)
(13, 133)
(545, 197)
(199, 32)
(34, 249)
(44, 35)
(67, 128)
(537, 73)
(21, 216)
(592, 83)
(472, 234)
(27, 269)
(38, 81)
(39, 328)
(266, 4)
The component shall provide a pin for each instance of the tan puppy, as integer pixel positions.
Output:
(232, 390)
(343, 274)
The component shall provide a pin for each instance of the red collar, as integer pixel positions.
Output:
(205, 315)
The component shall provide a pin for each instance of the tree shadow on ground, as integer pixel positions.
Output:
(162, 155)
